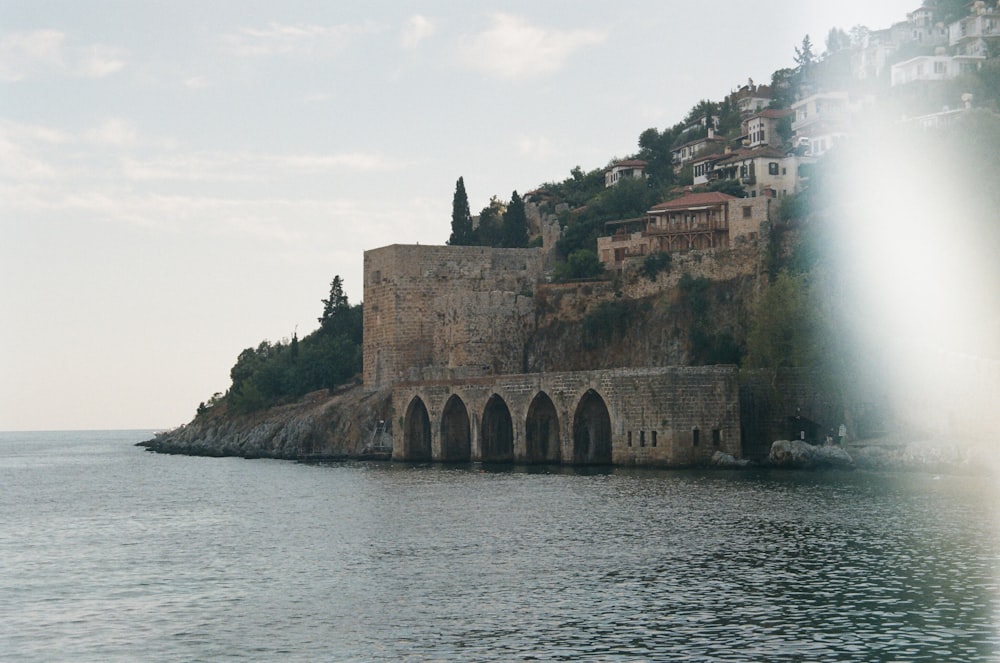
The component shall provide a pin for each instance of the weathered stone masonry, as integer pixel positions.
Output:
(653, 416)
(445, 329)
(432, 311)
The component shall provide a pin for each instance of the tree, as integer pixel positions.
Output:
(461, 218)
(730, 187)
(488, 231)
(581, 264)
(837, 40)
(703, 113)
(336, 304)
(804, 56)
(514, 230)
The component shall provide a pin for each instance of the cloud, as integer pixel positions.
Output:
(99, 61)
(513, 48)
(23, 54)
(301, 39)
(114, 132)
(247, 166)
(26, 55)
(416, 30)
(195, 82)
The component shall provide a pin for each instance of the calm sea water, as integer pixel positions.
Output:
(110, 553)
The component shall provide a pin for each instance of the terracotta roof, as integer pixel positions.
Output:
(715, 156)
(764, 152)
(629, 163)
(694, 200)
(705, 139)
(774, 113)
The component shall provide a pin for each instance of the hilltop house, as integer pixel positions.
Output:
(751, 98)
(696, 221)
(925, 68)
(978, 33)
(821, 121)
(629, 168)
(684, 154)
(761, 129)
(762, 171)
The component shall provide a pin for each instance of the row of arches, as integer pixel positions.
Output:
(591, 431)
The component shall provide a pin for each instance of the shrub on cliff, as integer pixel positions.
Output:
(274, 373)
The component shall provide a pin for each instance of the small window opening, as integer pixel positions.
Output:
(653, 441)
(642, 438)
(630, 438)
(716, 436)
(695, 434)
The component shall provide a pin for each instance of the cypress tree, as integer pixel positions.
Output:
(514, 233)
(461, 217)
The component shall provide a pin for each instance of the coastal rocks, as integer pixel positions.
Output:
(799, 454)
(965, 456)
(722, 459)
(318, 426)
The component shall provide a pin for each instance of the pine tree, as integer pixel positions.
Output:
(461, 218)
(514, 232)
(337, 303)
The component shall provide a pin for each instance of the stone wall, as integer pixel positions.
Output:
(746, 259)
(446, 311)
(673, 416)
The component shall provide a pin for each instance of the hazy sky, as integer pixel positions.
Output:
(181, 180)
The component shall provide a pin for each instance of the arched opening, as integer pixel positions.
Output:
(456, 438)
(497, 432)
(542, 431)
(417, 432)
(591, 431)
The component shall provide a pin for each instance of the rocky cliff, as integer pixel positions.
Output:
(321, 425)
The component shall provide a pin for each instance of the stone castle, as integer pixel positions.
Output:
(445, 329)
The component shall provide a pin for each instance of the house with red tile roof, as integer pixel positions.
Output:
(762, 128)
(684, 154)
(693, 222)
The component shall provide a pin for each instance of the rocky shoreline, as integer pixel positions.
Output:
(335, 426)
(322, 425)
(883, 454)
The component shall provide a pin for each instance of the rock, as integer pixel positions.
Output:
(319, 425)
(796, 453)
(722, 459)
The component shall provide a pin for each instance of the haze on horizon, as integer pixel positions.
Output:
(184, 181)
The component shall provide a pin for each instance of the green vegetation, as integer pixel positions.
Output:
(654, 264)
(274, 373)
(628, 199)
(581, 264)
(708, 345)
(461, 217)
(500, 224)
(607, 320)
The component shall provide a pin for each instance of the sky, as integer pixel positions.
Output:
(182, 180)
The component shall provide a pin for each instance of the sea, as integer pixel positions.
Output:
(111, 553)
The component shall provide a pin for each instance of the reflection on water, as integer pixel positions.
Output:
(110, 552)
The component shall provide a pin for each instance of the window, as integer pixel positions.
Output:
(694, 437)
(716, 437)
(747, 212)
(630, 438)
(653, 441)
(939, 67)
(772, 168)
(642, 438)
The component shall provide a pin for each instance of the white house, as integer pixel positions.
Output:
(934, 68)
(821, 121)
(629, 168)
(975, 34)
